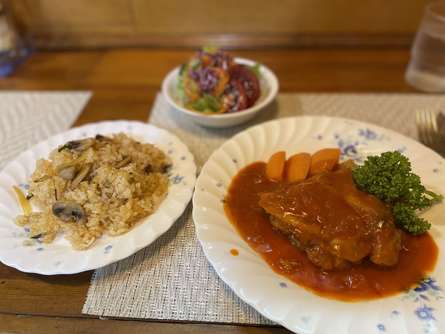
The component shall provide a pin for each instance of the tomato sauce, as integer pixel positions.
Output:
(358, 282)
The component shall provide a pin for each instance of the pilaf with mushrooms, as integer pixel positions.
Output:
(94, 186)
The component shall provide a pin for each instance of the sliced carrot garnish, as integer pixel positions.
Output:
(297, 167)
(324, 160)
(275, 166)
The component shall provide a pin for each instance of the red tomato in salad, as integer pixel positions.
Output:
(249, 81)
(235, 97)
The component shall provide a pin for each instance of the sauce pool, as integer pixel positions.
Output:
(359, 282)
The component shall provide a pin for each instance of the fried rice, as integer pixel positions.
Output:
(95, 186)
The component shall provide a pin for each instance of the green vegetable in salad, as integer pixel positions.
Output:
(256, 70)
(180, 85)
(194, 64)
(207, 103)
(180, 92)
(390, 178)
(182, 69)
(210, 49)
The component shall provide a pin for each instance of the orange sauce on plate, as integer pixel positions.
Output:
(234, 252)
(359, 282)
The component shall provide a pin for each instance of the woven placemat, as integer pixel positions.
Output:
(171, 279)
(29, 117)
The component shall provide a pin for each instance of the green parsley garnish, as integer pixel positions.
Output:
(390, 178)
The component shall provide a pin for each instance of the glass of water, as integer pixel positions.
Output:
(426, 70)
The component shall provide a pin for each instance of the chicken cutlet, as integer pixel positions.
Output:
(334, 222)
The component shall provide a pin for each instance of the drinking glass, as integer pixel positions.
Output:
(13, 49)
(426, 69)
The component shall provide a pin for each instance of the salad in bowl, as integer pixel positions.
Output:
(216, 89)
(212, 82)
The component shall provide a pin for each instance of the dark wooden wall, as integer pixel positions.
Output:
(236, 23)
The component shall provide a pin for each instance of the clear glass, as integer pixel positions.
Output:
(13, 49)
(426, 69)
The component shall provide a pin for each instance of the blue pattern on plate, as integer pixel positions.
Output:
(108, 249)
(428, 283)
(425, 313)
(351, 144)
(422, 295)
(348, 148)
(177, 179)
(24, 186)
(368, 134)
(395, 313)
(426, 290)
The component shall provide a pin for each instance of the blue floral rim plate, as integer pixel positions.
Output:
(419, 310)
(59, 257)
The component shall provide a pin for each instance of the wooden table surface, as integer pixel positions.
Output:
(124, 83)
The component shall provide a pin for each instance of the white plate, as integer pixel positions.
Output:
(421, 310)
(269, 90)
(59, 257)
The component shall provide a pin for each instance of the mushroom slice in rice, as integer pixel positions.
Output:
(100, 137)
(69, 211)
(66, 172)
(77, 145)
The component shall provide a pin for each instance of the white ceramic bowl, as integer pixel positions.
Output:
(269, 90)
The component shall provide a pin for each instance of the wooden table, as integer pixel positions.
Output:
(124, 83)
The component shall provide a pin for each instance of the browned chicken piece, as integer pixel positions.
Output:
(333, 222)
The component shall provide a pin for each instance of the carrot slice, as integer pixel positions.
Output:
(275, 166)
(297, 167)
(324, 160)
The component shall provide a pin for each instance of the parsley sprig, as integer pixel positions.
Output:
(390, 178)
